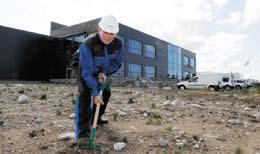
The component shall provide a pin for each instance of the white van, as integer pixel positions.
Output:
(202, 81)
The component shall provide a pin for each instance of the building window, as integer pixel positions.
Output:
(192, 62)
(149, 51)
(185, 60)
(149, 71)
(186, 75)
(120, 72)
(134, 70)
(80, 38)
(174, 62)
(134, 46)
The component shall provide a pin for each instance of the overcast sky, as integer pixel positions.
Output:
(224, 34)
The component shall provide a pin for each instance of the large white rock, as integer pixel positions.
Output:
(66, 136)
(119, 146)
(23, 99)
(257, 117)
(121, 113)
(72, 115)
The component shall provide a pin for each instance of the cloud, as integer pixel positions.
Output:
(220, 52)
(251, 14)
(220, 3)
(233, 18)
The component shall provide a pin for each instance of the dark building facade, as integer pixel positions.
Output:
(31, 56)
(145, 55)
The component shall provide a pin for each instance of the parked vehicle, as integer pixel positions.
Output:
(202, 81)
(227, 82)
(239, 84)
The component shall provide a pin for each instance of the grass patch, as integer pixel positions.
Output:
(239, 150)
(258, 90)
(154, 119)
(244, 91)
(115, 115)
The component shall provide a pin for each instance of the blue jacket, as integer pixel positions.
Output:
(96, 57)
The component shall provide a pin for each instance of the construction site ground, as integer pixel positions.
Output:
(147, 120)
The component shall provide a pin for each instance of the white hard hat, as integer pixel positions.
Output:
(109, 24)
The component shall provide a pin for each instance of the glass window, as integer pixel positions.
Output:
(120, 72)
(192, 62)
(174, 61)
(134, 46)
(185, 61)
(225, 79)
(134, 70)
(149, 71)
(186, 75)
(149, 51)
(80, 38)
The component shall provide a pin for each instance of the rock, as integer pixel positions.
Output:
(145, 114)
(72, 115)
(131, 101)
(43, 147)
(121, 113)
(196, 146)
(125, 140)
(23, 99)
(257, 117)
(38, 120)
(66, 136)
(234, 121)
(58, 112)
(247, 109)
(163, 142)
(169, 103)
(36, 133)
(119, 146)
(181, 144)
(2, 123)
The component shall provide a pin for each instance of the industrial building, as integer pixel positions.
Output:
(145, 55)
(32, 56)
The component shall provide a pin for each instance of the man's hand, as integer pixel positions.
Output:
(102, 78)
(98, 100)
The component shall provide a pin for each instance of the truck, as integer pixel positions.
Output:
(202, 81)
(212, 81)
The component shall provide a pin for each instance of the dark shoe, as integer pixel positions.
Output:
(102, 122)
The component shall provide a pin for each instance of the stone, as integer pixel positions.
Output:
(196, 146)
(119, 146)
(38, 120)
(257, 117)
(131, 101)
(181, 144)
(2, 123)
(66, 136)
(234, 121)
(23, 99)
(72, 115)
(247, 109)
(163, 142)
(121, 113)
